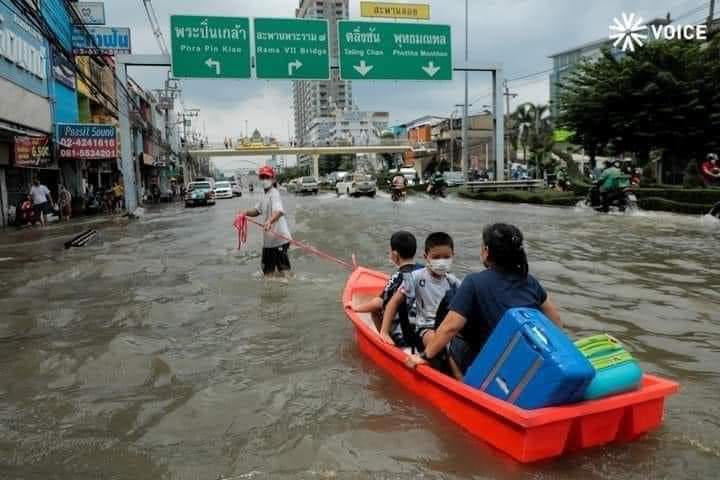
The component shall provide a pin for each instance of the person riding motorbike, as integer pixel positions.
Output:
(711, 170)
(399, 184)
(611, 183)
(437, 185)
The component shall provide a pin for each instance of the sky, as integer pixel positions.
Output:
(518, 35)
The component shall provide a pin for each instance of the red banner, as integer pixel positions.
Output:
(32, 152)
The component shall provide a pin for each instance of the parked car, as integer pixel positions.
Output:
(199, 193)
(223, 190)
(307, 185)
(236, 189)
(356, 185)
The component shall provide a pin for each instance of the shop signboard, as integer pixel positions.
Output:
(23, 52)
(90, 13)
(86, 141)
(33, 152)
(109, 41)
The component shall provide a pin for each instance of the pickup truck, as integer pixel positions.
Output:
(356, 185)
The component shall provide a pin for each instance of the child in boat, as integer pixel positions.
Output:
(425, 288)
(403, 247)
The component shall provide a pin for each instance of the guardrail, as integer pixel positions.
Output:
(496, 186)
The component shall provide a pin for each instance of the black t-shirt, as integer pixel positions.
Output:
(483, 298)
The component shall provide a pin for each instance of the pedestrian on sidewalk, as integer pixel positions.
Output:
(275, 247)
(118, 192)
(65, 201)
(42, 201)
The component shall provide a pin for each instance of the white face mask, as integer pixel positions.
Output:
(441, 266)
(267, 183)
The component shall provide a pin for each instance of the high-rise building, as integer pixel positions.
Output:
(314, 100)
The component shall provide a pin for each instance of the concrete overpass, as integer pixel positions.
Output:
(313, 152)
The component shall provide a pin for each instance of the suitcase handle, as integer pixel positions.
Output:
(536, 338)
(599, 345)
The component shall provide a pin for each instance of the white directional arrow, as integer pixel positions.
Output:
(363, 69)
(296, 65)
(213, 64)
(431, 69)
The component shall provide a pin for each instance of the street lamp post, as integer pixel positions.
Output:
(466, 152)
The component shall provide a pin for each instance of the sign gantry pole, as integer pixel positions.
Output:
(121, 87)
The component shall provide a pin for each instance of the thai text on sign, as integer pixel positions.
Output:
(414, 11)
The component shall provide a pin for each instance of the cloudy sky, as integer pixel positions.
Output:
(517, 34)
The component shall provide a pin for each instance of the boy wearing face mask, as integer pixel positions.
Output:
(275, 248)
(425, 288)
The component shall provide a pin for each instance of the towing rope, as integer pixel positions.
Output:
(241, 225)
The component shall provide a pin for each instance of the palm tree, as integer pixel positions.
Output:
(535, 131)
(523, 120)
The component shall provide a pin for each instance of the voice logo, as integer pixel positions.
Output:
(630, 32)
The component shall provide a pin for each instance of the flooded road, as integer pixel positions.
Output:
(159, 352)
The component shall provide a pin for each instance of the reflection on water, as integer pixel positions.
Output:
(159, 352)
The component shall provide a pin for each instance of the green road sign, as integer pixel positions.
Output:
(394, 51)
(210, 47)
(292, 49)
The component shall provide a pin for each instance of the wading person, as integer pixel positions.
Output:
(275, 247)
(42, 201)
(484, 297)
(65, 201)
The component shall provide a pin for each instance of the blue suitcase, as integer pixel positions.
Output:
(530, 362)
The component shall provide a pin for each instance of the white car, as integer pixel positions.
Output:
(356, 185)
(307, 185)
(223, 190)
(236, 189)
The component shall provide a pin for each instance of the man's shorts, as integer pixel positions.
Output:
(275, 259)
(42, 208)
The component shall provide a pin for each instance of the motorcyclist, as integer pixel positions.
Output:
(437, 184)
(711, 170)
(610, 182)
(399, 184)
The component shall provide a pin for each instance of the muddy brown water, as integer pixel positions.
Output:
(158, 352)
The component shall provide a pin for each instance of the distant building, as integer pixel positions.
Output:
(313, 100)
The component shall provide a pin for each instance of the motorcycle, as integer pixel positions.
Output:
(25, 214)
(438, 189)
(622, 199)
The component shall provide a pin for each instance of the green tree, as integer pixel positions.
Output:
(535, 133)
(664, 96)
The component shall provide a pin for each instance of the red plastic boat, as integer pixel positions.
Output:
(526, 435)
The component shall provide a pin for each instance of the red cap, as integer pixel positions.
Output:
(266, 172)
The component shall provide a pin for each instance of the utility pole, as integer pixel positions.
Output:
(508, 96)
(711, 16)
(466, 150)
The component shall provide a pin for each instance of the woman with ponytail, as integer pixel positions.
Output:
(484, 297)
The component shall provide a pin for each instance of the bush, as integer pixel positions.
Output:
(656, 203)
(545, 197)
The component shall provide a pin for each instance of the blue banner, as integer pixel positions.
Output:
(109, 40)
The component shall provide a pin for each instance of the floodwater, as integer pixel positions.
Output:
(158, 352)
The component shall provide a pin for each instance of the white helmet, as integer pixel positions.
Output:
(712, 156)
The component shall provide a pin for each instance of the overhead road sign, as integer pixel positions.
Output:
(292, 49)
(394, 51)
(412, 11)
(210, 47)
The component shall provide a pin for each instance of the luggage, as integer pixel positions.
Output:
(616, 371)
(530, 362)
